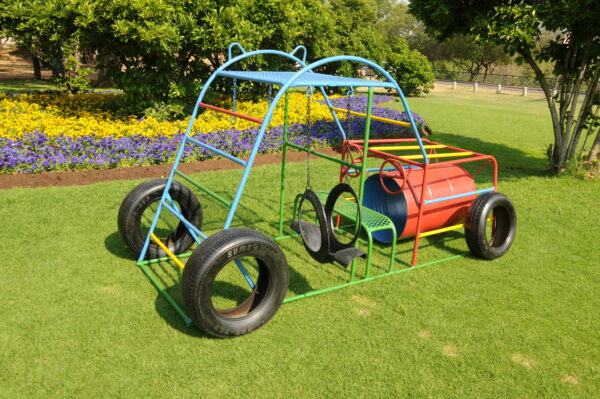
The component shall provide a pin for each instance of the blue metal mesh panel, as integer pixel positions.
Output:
(306, 79)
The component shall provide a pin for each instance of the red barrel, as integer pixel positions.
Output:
(403, 208)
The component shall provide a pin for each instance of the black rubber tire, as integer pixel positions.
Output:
(315, 238)
(335, 244)
(505, 217)
(139, 199)
(210, 257)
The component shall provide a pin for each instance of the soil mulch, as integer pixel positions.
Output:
(84, 177)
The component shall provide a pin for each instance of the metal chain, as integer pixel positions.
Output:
(309, 95)
(348, 131)
(233, 119)
(270, 94)
(348, 121)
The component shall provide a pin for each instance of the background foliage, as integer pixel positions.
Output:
(160, 51)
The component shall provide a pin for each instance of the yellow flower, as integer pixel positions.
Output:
(83, 114)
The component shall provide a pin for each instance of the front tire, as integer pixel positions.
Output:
(204, 285)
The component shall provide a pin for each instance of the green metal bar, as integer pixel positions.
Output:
(363, 171)
(393, 251)
(320, 154)
(369, 255)
(366, 279)
(163, 259)
(286, 236)
(283, 160)
(188, 322)
(363, 168)
(205, 189)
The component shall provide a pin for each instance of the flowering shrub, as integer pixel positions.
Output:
(58, 132)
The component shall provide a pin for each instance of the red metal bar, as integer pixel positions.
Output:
(385, 155)
(228, 112)
(421, 206)
(480, 169)
(465, 160)
(387, 141)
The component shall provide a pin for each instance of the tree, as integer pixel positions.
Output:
(410, 69)
(517, 25)
(465, 53)
(48, 30)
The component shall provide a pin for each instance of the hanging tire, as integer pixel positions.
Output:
(135, 217)
(215, 293)
(491, 240)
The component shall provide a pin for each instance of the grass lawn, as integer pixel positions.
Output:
(26, 85)
(78, 319)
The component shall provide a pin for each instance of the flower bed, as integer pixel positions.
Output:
(57, 132)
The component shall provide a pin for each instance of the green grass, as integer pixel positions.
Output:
(26, 85)
(78, 319)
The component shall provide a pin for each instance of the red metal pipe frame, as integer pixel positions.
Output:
(387, 141)
(421, 206)
(236, 114)
(426, 166)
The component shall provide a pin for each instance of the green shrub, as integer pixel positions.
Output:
(411, 69)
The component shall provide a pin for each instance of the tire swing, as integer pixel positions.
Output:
(503, 229)
(137, 203)
(320, 240)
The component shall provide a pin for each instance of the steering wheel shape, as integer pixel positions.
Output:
(398, 173)
(354, 160)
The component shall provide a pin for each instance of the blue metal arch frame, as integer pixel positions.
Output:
(267, 120)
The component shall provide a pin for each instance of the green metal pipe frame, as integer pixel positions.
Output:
(366, 279)
(320, 154)
(203, 188)
(188, 322)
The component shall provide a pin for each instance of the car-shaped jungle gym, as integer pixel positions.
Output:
(417, 190)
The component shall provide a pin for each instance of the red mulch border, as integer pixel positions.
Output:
(84, 177)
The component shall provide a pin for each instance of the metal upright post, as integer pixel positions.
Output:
(283, 160)
(363, 168)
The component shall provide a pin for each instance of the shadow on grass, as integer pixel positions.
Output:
(172, 318)
(512, 162)
(115, 245)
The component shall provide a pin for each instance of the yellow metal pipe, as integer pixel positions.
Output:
(442, 230)
(375, 118)
(445, 229)
(446, 155)
(407, 147)
(169, 253)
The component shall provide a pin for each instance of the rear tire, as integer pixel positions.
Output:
(139, 200)
(505, 219)
(255, 306)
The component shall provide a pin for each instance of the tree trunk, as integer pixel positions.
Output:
(593, 155)
(37, 67)
(556, 161)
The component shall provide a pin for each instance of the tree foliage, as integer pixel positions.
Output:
(517, 25)
(161, 51)
(411, 69)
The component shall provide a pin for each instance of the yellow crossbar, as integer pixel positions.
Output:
(375, 118)
(169, 253)
(445, 229)
(407, 147)
(446, 155)
(442, 230)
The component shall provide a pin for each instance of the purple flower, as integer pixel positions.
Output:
(35, 152)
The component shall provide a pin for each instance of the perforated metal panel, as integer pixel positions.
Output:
(306, 79)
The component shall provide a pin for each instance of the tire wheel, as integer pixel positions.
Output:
(215, 293)
(501, 231)
(137, 211)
